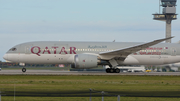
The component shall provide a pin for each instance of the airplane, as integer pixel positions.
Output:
(85, 55)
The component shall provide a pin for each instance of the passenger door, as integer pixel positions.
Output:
(173, 51)
(28, 49)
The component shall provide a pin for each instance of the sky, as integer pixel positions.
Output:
(81, 20)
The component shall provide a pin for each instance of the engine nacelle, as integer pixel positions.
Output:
(85, 61)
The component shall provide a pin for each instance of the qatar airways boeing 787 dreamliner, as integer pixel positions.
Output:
(92, 54)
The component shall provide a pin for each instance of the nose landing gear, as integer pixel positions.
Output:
(23, 69)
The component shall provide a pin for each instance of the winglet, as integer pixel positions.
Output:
(170, 37)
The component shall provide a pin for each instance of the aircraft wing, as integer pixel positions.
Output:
(129, 50)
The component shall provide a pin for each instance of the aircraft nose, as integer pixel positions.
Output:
(5, 57)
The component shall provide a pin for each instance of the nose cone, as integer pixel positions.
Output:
(5, 57)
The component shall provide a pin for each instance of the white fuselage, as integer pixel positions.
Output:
(64, 52)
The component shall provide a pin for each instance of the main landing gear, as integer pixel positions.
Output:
(23, 69)
(23, 65)
(112, 70)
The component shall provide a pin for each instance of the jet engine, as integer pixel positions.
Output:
(85, 61)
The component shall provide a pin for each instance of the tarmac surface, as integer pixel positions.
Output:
(56, 72)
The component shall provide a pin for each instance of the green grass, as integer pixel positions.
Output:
(133, 88)
(87, 99)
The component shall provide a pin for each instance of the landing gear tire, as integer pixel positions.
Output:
(111, 70)
(117, 70)
(23, 69)
(107, 70)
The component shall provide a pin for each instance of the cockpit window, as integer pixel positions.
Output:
(12, 49)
